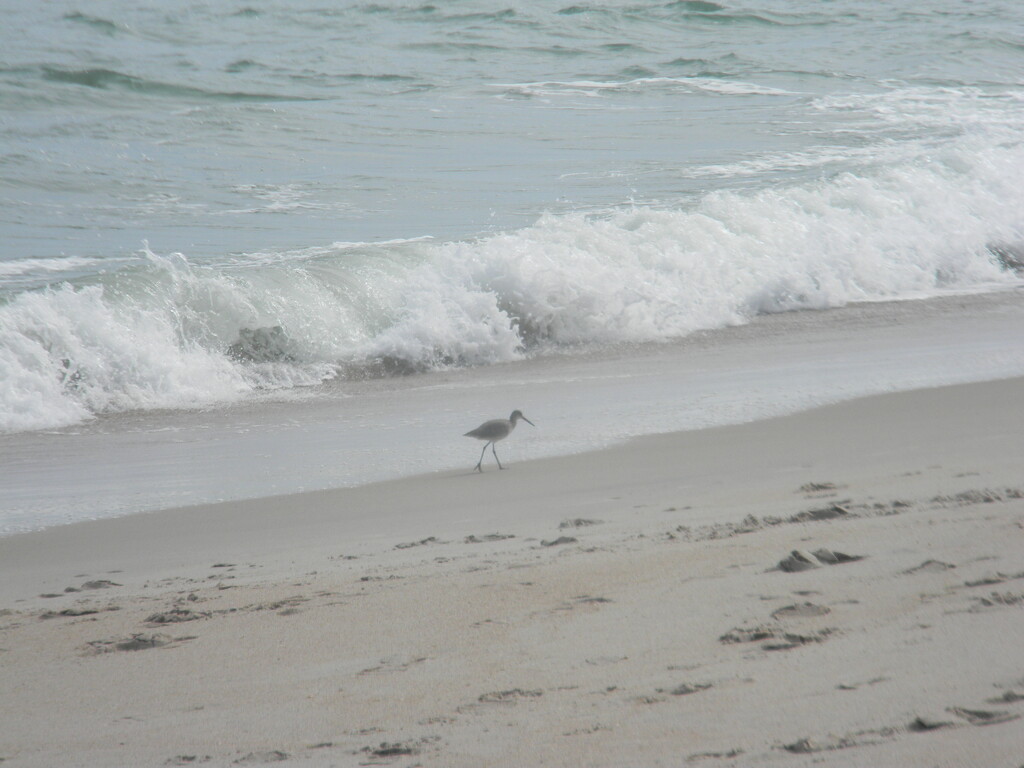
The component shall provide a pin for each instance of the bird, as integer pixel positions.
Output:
(494, 430)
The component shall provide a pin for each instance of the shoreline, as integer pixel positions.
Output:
(622, 607)
(644, 464)
(266, 525)
(370, 431)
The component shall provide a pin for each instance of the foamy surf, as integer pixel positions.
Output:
(592, 88)
(167, 333)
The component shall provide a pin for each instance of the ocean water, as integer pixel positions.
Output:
(304, 205)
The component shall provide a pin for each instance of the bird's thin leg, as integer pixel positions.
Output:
(478, 467)
(495, 456)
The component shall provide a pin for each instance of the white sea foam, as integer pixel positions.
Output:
(68, 353)
(594, 88)
(280, 199)
(167, 333)
(9, 269)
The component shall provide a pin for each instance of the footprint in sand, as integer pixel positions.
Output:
(137, 642)
(832, 743)
(778, 639)
(714, 755)
(983, 717)
(559, 541)
(824, 513)
(855, 686)
(386, 749)
(790, 640)
(799, 560)
(76, 612)
(685, 689)
(88, 585)
(801, 611)
(508, 697)
(829, 557)
(578, 522)
(986, 496)
(583, 600)
(996, 600)
(925, 723)
(100, 584)
(285, 603)
(978, 717)
(261, 758)
(817, 487)
(1008, 697)
(929, 566)
(473, 539)
(176, 615)
(420, 543)
(747, 635)
(995, 578)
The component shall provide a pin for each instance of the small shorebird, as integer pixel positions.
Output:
(494, 430)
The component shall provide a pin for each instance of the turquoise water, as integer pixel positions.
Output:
(234, 128)
(203, 202)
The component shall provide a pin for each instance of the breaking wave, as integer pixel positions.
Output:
(163, 332)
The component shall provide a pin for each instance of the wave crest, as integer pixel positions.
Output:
(164, 332)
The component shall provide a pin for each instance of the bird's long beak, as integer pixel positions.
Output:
(528, 421)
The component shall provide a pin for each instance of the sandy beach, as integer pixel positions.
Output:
(843, 586)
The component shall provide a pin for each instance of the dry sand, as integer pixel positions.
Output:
(620, 608)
